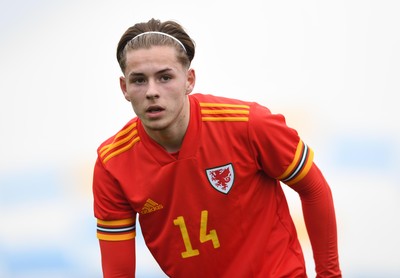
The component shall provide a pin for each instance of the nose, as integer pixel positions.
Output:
(152, 91)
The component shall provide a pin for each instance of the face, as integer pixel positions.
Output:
(157, 86)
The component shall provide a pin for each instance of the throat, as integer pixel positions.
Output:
(171, 139)
(175, 154)
(171, 143)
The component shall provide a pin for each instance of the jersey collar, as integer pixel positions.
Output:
(190, 142)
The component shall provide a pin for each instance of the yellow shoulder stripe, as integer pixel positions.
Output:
(122, 142)
(209, 104)
(224, 112)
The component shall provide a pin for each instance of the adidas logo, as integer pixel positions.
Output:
(150, 206)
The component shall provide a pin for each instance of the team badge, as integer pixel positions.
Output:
(221, 178)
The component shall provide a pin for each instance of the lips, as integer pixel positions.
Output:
(154, 110)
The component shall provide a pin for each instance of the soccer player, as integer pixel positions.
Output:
(203, 174)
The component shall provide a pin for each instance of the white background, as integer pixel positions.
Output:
(331, 67)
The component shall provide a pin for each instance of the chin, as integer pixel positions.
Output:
(155, 126)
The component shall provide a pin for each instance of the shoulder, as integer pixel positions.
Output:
(222, 109)
(120, 142)
(208, 98)
(217, 108)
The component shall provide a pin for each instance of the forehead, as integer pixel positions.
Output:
(152, 55)
(149, 61)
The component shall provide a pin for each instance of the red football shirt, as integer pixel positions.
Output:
(215, 209)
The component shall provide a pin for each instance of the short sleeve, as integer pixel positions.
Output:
(116, 219)
(278, 149)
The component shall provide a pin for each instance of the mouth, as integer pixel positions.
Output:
(155, 109)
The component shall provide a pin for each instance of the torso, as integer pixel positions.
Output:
(210, 211)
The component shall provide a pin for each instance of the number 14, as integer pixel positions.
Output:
(212, 235)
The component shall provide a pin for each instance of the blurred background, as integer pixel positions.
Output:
(331, 67)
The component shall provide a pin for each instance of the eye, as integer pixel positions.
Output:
(165, 78)
(138, 80)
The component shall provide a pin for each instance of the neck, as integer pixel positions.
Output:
(170, 141)
(171, 138)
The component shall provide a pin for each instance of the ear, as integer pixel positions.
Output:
(190, 81)
(122, 84)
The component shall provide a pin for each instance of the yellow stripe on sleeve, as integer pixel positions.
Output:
(305, 169)
(117, 237)
(295, 161)
(122, 222)
(116, 230)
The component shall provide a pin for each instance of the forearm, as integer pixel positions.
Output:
(118, 258)
(320, 220)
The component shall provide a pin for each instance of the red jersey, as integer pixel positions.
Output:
(216, 208)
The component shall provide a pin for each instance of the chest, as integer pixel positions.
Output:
(214, 174)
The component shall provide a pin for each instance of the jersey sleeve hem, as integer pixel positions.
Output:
(116, 230)
(300, 165)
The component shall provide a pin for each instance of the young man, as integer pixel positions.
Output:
(203, 175)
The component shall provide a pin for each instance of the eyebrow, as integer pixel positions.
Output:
(158, 72)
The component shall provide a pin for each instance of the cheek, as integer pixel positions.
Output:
(133, 99)
(133, 95)
(136, 109)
